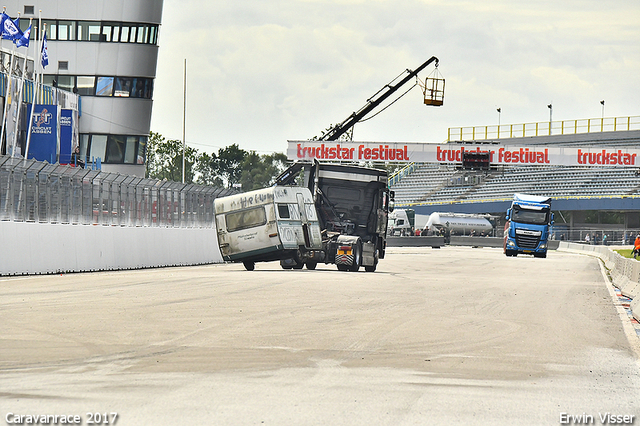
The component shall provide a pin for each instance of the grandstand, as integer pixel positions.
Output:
(431, 183)
(576, 191)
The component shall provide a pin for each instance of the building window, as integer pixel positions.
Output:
(84, 144)
(51, 29)
(104, 86)
(86, 85)
(130, 150)
(153, 34)
(124, 34)
(98, 147)
(66, 30)
(116, 32)
(142, 150)
(124, 87)
(114, 149)
(66, 82)
(143, 34)
(110, 32)
(28, 10)
(63, 65)
(88, 31)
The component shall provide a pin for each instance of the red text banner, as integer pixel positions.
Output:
(452, 153)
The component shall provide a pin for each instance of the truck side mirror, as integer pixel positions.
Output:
(508, 214)
(388, 200)
(552, 218)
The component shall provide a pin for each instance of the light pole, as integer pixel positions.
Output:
(602, 120)
(550, 106)
(499, 112)
(184, 115)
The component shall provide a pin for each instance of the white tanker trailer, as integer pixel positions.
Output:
(459, 223)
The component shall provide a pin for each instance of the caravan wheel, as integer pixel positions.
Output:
(249, 266)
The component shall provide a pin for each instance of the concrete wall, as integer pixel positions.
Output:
(625, 273)
(455, 241)
(40, 248)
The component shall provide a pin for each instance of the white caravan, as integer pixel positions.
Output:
(267, 224)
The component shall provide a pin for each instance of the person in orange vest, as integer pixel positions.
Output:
(636, 246)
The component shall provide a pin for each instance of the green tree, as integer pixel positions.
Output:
(260, 171)
(164, 159)
(206, 168)
(229, 163)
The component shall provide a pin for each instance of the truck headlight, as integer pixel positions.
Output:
(511, 243)
(543, 246)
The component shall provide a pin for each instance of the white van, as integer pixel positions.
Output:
(268, 224)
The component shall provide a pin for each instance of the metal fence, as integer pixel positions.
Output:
(545, 128)
(34, 191)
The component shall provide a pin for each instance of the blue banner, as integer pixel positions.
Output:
(66, 135)
(44, 133)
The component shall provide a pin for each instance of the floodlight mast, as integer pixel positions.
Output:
(339, 129)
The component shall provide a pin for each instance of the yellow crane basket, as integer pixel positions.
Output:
(433, 89)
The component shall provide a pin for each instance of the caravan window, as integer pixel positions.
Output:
(246, 219)
(283, 211)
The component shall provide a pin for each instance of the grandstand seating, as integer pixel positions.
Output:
(446, 183)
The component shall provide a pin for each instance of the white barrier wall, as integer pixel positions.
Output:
(40, 248)
(625, 273)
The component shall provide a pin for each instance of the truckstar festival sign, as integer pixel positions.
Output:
(552, 155)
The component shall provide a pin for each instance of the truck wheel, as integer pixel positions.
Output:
(298, 265)
(357, 257)
(286, 263)
(312, 265)
(541, 255)
(372, 268)
(342, 268)
(511, 253)
(249, 266)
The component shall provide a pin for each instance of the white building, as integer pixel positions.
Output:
(106, 51)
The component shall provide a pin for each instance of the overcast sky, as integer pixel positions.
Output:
(263, 72)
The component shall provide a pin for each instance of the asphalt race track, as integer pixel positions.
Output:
(451, 336)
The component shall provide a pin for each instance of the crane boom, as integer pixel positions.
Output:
(339, 129)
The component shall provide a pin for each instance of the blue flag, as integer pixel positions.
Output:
(24, 40)
(44, 55)
(10, 30)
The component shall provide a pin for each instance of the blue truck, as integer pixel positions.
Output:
(528, 226)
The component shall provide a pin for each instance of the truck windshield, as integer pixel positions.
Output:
(534, 217)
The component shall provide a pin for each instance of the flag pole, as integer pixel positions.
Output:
(43, 31)
(7, 95)
(20, 92)
(2, 144)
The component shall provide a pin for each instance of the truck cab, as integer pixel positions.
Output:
(401, 222)
(527, 229)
